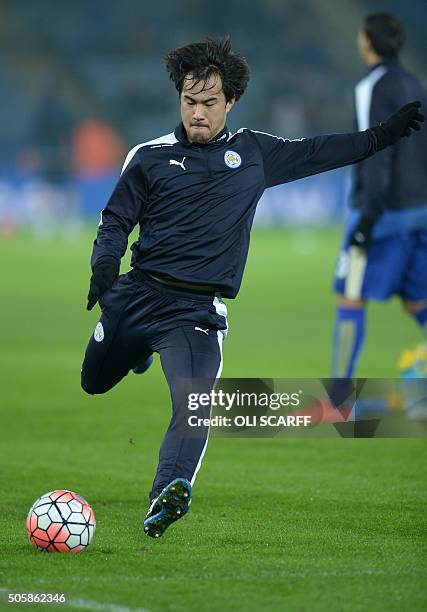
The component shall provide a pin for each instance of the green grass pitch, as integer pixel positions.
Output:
(275, 524)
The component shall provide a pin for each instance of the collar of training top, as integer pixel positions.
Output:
(181, 135)
(386, 61)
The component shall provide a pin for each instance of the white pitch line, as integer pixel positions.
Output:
(86, 604)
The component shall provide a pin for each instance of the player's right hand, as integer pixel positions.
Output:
(104, 274)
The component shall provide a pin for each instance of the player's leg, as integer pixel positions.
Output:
(418, 310)
(186, 354)
(350, 317)
(414, 290)
(117, 345)
(191, 358)
(384, 274)
(143, 365)
(413, 366)
(349, 335)
(413, 363)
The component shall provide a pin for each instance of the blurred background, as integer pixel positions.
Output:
(82, 82)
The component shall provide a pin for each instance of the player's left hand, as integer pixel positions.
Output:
(361, 235)
(104, 274)
(400, 124)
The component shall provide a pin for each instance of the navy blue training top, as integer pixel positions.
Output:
(195, 203)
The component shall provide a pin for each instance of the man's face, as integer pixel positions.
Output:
(203, 109)
(363, 44)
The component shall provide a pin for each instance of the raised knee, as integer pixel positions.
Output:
(88, 388)
(89, 385)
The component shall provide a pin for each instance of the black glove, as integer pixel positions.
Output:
(400, 124)
(104, 274)
(361, 234)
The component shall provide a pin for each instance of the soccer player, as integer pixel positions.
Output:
(384, 252)
(193, 193)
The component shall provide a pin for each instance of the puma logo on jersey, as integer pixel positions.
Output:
(173, 162)
(205, 331)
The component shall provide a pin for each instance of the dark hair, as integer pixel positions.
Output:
(204, 59)
(386, 33)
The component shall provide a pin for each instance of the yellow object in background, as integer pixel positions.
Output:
(414, 359)
(412, 366)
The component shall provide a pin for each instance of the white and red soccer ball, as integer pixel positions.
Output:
(61, 521)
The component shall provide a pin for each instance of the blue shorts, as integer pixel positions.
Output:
(396, 265)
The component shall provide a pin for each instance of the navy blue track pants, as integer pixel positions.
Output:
(140, 316)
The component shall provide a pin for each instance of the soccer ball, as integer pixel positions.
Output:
(61, 521)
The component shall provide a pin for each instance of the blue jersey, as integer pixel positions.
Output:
(395, 179)
(195, 203)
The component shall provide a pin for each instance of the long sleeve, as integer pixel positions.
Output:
(121, 213)
(289, 160)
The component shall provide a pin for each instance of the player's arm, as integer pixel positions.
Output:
(118, 219)
(289, 160)
(377, 172)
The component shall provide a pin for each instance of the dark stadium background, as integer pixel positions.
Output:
(64, 64)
